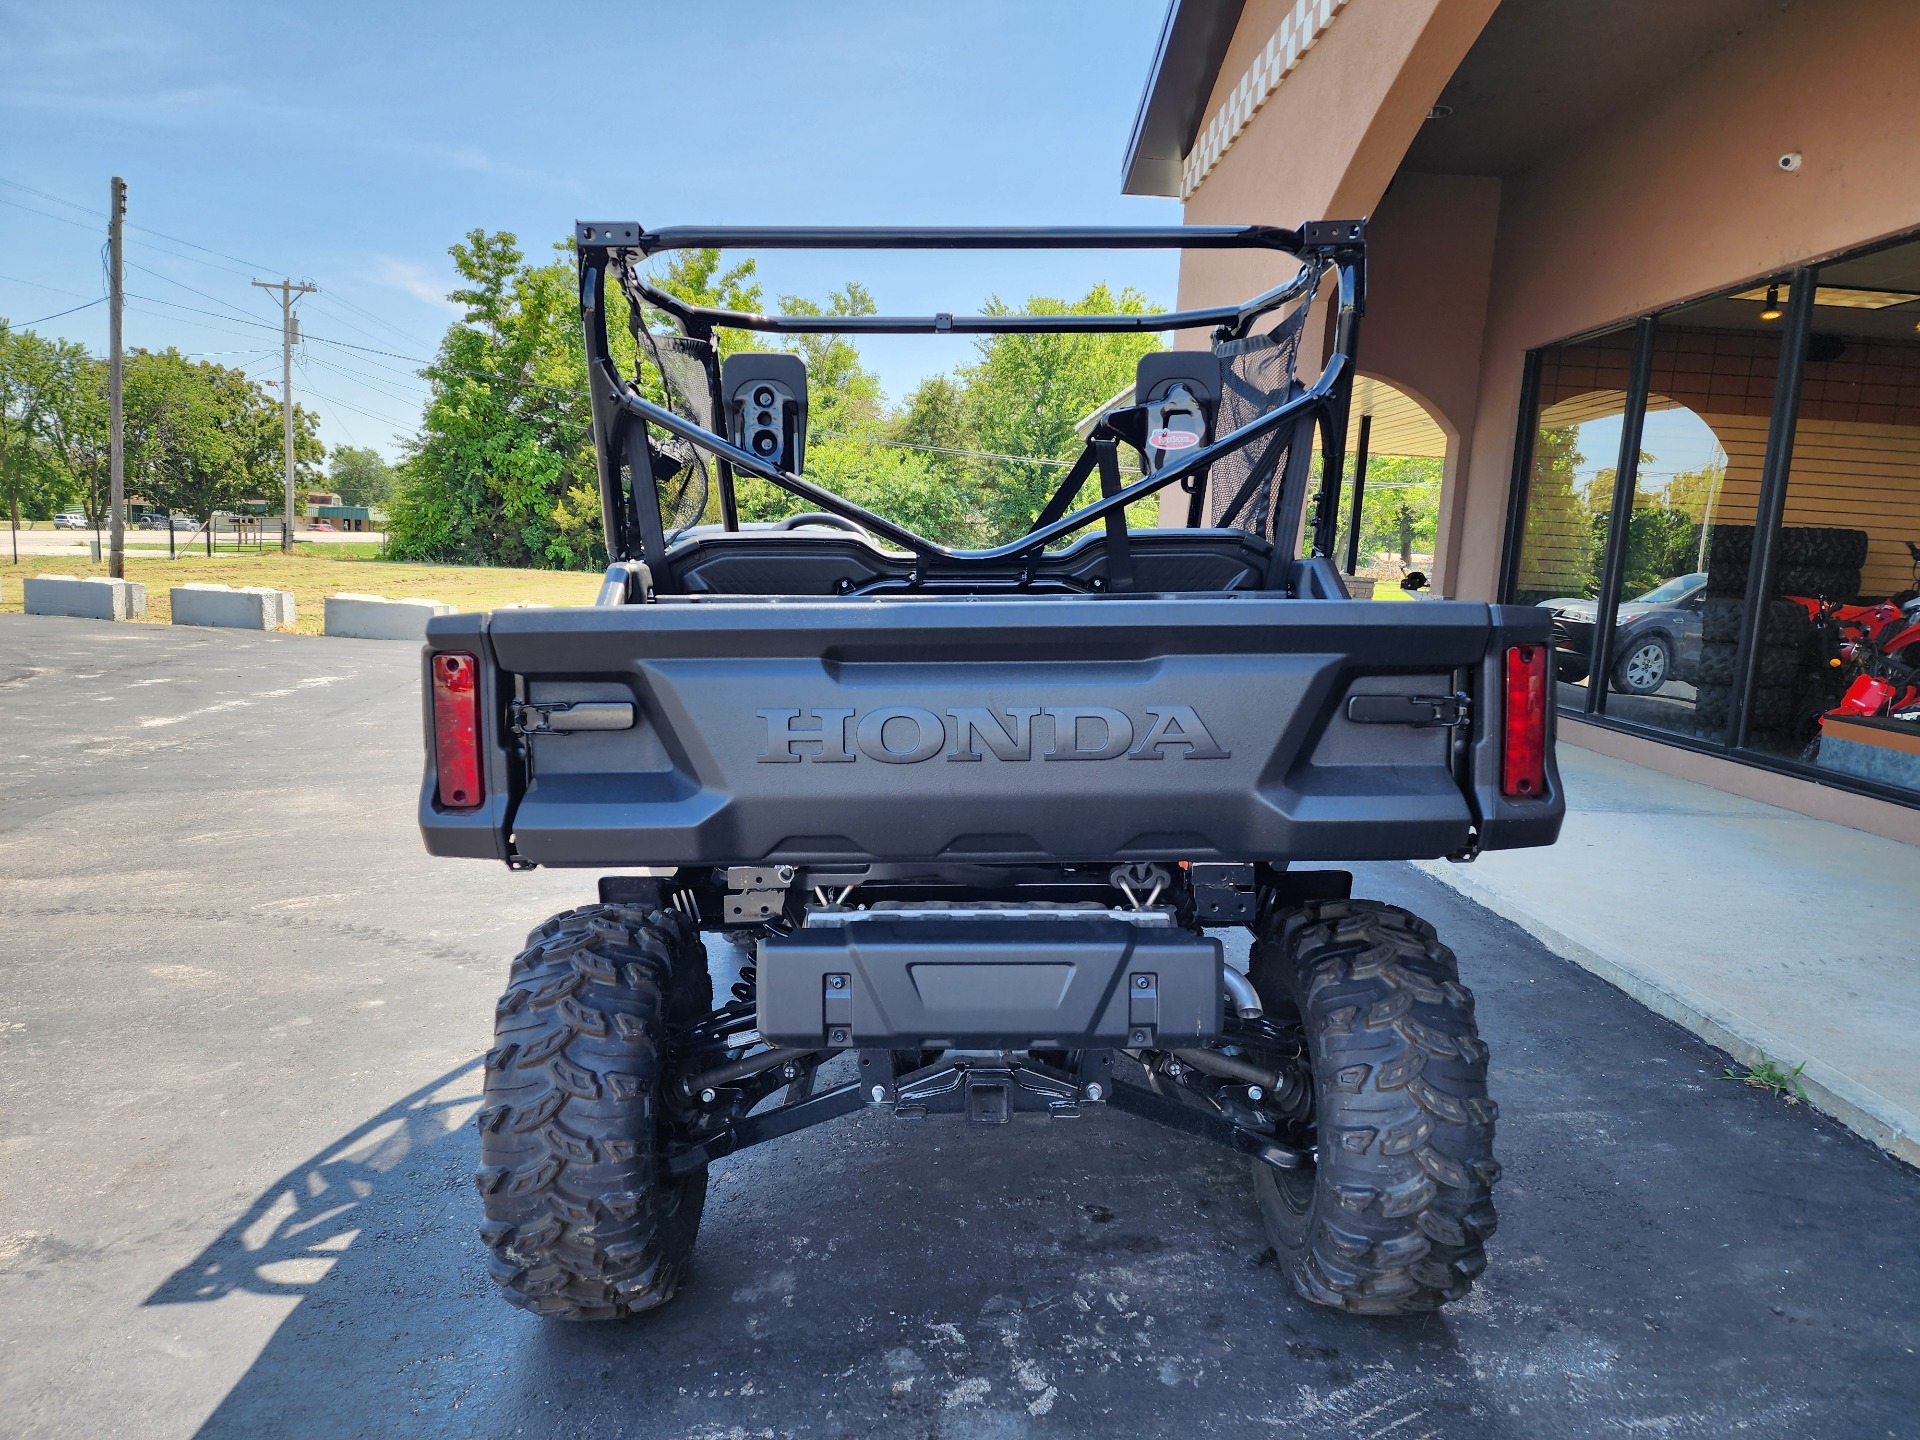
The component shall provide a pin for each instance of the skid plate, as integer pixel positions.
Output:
(1014, 984)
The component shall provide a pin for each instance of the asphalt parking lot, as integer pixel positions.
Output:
(238, 1047)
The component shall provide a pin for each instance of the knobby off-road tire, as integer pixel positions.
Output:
(1784, 624)
(1732, 546)
(1393, 1217)
(581, 1216)
(1779, 665)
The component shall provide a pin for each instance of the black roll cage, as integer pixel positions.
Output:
(631, 511)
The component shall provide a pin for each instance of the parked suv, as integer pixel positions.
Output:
(70, 520)
(981, 814)
(1656, 636)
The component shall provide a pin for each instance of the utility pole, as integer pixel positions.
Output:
(116, 387)
(289, 332)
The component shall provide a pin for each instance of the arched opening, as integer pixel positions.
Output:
(1689, 479)
(1397, 456)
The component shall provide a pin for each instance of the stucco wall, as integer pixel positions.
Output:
(1681, 195)
(1330, 138)
(1430, 249)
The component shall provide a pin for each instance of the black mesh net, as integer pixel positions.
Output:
(1257, 374)
(680, 470)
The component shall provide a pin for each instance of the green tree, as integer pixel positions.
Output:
(202, 437)
(359, 476)
(935, 423)
(1025, 394)
(74, 426)
(502, 470)
(18, 407)
(1556, 549)
(1400, 508)
(851, 448)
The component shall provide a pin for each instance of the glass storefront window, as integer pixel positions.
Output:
(1846, 635)
(1689, 532)
(1834, 661)
(1575, 449)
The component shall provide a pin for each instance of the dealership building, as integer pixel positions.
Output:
(1647, 277)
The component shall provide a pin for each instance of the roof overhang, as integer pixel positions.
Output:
(1193, 43)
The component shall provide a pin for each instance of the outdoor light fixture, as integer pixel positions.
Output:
(1839, 297)
(1771, 311)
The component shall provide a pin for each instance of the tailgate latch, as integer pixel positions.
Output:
(561, 717)
(1420, 711)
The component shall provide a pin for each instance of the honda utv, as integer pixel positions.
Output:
(980, 815)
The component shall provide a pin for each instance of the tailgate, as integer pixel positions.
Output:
(988, 730)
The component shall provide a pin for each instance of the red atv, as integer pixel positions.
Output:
(1878, 647)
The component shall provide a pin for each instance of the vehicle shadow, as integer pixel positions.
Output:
(887, 1277)
(303, 1223)
(884, 1278)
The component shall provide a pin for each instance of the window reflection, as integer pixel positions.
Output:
(1835, 664)
(1837, 686)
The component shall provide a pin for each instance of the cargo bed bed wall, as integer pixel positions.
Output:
(993, 731)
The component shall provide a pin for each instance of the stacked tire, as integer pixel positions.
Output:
(1789, 690)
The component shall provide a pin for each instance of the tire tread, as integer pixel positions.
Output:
(582, 1222)
(1403, 1187)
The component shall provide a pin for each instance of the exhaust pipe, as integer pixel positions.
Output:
(1246, 1002)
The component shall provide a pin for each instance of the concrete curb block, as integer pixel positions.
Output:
(373, 617)
(254, 607)
(91, 598)
(1862, 1109)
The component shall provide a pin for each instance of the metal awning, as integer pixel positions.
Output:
(1193, 43)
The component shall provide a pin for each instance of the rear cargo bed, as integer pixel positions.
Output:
(988, 730)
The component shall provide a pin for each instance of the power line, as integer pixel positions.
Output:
(70, 204)
(263, 325)
(947, 450)
(55, 289)
(383, 323)
(27, 324)
(383, 419)
(49, 215)
(239, 313)
(360, 329)
(371, 382)
(144, 229)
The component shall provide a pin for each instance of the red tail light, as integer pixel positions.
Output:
(1524, 758)
(456, 730)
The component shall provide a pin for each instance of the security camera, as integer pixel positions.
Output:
(1791, 161)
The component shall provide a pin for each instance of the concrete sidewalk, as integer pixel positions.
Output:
(1767, 933)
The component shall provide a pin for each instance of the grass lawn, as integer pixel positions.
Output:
(312, 577)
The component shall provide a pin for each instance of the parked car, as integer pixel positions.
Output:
(1656, 636)
(152, 521)
(69, 520)
(185, 522)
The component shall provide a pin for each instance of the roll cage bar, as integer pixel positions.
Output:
(631, 509)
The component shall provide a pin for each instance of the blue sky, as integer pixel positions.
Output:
(351, 143)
